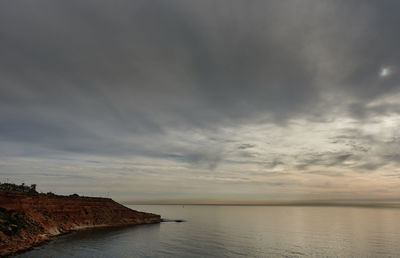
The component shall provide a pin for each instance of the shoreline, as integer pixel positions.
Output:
(28, 220)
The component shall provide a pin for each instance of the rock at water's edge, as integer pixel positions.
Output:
(27, 219)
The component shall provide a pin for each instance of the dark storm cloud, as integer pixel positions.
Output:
(135, 56)
(82, 76)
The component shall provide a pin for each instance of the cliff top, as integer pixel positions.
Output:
(22, 189)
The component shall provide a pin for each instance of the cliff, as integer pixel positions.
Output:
(28, 219)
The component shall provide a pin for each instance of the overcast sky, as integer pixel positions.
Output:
(202, 101)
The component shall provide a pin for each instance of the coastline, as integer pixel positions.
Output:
(29, 220)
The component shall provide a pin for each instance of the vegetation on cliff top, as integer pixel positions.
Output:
(22, 188)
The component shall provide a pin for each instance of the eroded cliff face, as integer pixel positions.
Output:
(27, 220)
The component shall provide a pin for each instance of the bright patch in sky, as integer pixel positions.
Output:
(384, 72)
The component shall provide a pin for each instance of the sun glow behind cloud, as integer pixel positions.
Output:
(384, 72)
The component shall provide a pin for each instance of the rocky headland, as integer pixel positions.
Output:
(29, 218)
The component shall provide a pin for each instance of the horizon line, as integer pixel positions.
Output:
(347, 203)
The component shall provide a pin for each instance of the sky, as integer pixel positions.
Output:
(212, 101)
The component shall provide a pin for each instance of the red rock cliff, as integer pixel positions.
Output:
(27, 219)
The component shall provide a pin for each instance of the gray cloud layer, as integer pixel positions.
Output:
(172, 80)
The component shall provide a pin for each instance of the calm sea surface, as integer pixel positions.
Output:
(241, 231)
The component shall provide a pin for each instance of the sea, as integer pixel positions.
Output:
(240, 231)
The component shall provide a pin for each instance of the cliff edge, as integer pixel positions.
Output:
(28, 219)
